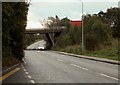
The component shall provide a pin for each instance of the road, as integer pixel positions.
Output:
(40, 43)
(50, 67)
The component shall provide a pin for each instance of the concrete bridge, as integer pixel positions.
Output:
(50, 33)
(44, 30)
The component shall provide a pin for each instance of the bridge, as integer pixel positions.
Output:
(44, 30)
(48, 33)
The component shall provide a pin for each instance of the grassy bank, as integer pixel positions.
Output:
(108, 53)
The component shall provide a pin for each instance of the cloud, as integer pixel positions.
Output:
(40, 10)
(54, 1)
(74, 1)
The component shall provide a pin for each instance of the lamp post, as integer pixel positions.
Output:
(82, 28)
(119, 4)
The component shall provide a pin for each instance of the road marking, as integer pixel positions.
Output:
(24, 69)
(22, 66)
(9, 68)
(23, 60)
(29, 77)
(60, 60)
(109, 76)
(9, 74)
(79, 66)
(84, 68)
(26, 72)
(32, 81)
(75, 65)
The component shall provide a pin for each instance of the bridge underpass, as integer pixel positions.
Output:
(49, 34)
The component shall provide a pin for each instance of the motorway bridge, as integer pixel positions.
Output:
(50, 33)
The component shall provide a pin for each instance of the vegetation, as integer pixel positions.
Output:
(31, 38)
(97, 34)
(109, 53)
(100, 31)
(14, 19)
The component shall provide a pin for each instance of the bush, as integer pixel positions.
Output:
(98, 36)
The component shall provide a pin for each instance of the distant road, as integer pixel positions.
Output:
(36, 44)
(50, 67)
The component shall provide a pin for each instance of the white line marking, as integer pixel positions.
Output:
(109, 76)
(79, 67)
(24, 69)
(60, 60)
(29, 77)
(84, 68)
(32, 81)
(9, 68)
(75, 65)
(26, 72)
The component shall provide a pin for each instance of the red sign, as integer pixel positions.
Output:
(76, 22)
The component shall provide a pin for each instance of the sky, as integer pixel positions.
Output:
(40, 10)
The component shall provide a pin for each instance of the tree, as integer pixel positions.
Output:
(96, 32)
(14, 19)
(111, 18)
(75, 35)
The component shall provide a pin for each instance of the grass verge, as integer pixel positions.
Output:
(108, 53)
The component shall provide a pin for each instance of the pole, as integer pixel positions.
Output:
(82, 29)
(53, 36)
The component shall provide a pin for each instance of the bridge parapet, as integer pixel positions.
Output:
(44, 30)
(50, 33)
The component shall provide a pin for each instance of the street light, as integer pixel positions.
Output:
(82, 28)
(119, 4)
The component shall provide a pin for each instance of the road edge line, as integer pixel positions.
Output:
(9, 74)
(10, 68)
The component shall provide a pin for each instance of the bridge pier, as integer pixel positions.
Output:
(49, 40)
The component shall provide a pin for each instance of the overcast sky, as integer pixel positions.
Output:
(42, 9)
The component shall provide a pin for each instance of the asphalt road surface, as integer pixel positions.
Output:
(37, 44)
(50, 67)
